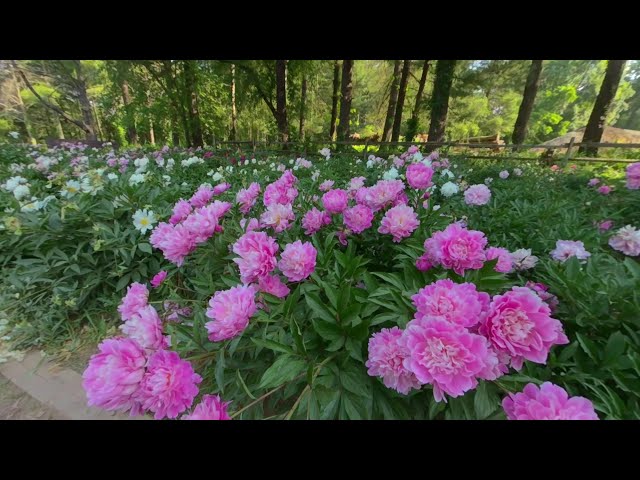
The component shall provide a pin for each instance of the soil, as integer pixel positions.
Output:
(17, 405)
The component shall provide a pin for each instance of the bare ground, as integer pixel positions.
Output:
(18, 405)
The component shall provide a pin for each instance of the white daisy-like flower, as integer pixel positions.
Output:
(143, 220)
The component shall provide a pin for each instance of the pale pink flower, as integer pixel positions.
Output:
(211, 407)
(326, 185)
(135, 299)
(158, 278)
(356, 183)
(593, 182)
(314, 220)
(181, 210)
(505, 261)
(251, 224)
(547, 402)
(386, 357)
(335, 201)
(504, 174)
(448, 356)
(221, 188)
(297, 260)
(202, 196)
(230, 310)
(554, 168)
(457, 248)
(381, 195)
(282, 190)
(145, 328)
(419, 176)
(113, 375)
(566, 249)
(458, 303)
(412, 149)
(257, 253)
(604, 189)
(627, 241)
(273, 285)
(247, 197)
(358, 218)
(277, 216)
(519, 324)
(169, 385)
(477, 195)
(400, 222)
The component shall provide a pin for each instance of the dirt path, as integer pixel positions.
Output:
(18, 405)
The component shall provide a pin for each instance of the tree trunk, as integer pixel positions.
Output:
(345, 102)
(334, 99)
(22, 108)
(526, 107)
(595, 126)
(412, 125)
(97, 117)
(58, 125)
(234, 115)
(152, 133)
(85, 104)
(132, 134)
(175, 132)
(303, 101)
(402, 91)
(393, 101)
(191, 87)
(281, 100)
(440, 100)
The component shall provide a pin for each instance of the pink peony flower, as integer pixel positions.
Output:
(314, 220)
(477, 195)
(398, 162)
(423, 264)
(251, 225)
(419, 176)
(542, 290)
(145, 328)
(158, 278)
(457, 248)
(457, 303)
(113, 375)
(400, 222)
(358, 218)
(181, 210)
(554, 168)
(382, 194)
(211, 407)
(566, 249)
(282, 190)
(547, 402)
(273, 285)
(202, 196)
(519, 324)
(247, 197)
(297, 260)
(356, 183)
(136, 298)
(335, 201)
(176, 242)
(326, 185)
(605, 225)
(448, 356)
(412, 149)
(257, 253)
(633, 176)
(505, 261)
(342, 237)
(221, 188)
(504, 174)
(230, 310)
(593, 182)
(169, 386)
(386, 357)
(604, 189)
(278, 216)
(204, 221)
(627, 241)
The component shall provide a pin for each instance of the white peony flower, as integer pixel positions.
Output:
(21, 191)
(143, 220)
(70, 189)
(112, 176)
(136, 179)
(326, 153)
(449, 189)
(391, 174)
(523, 260)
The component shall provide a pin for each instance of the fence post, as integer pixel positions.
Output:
(567, 156)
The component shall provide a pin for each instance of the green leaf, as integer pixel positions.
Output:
(271, 345)
(284, 369)
(588, 346)
(123, 282)
(354, 382)
(144, 247)
(615, 348)
(328, 331)
(485, 401)
(318, 308)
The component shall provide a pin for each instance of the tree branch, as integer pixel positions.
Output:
(51, 106)
(256, 83)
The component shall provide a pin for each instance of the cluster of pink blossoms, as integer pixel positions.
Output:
(399, 221)
(547, 402)
(282, 190)
(633, 176)
(247, 197)
(314, 220)
(187, 228)
(459, 336)
(456, 248)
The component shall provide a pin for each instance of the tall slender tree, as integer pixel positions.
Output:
(281, 100)
(22, 108)
(526, 106)
(83, 99)
(334, 99)
(303, 105)
(393, 100)
(413, 123)
(402, 91)
(191, 90)
(595, 127)
(234, 114)
(345, 102)
(440, 99)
